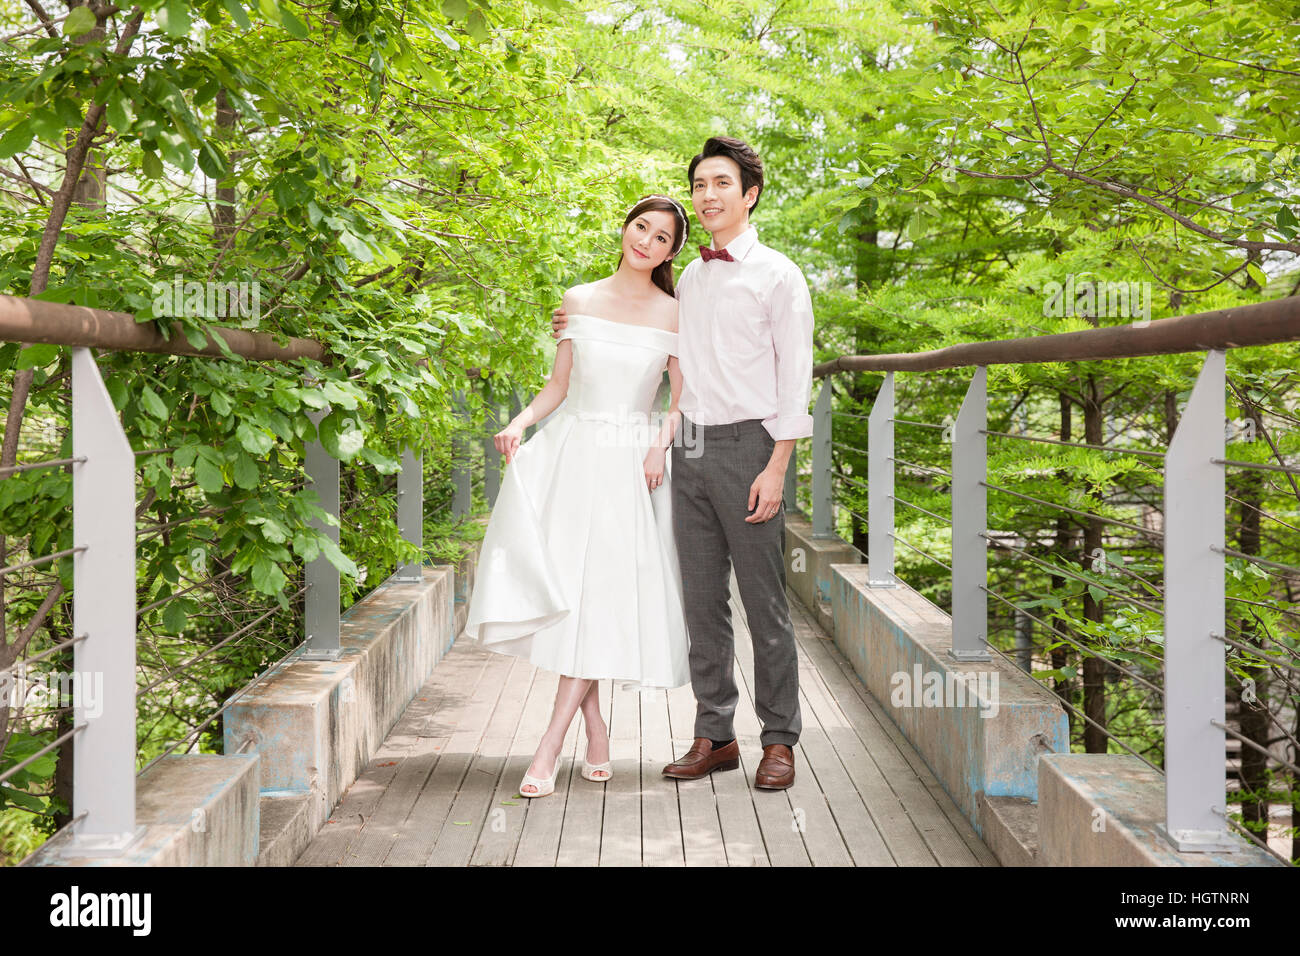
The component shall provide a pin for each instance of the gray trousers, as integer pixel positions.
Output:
(710, 504)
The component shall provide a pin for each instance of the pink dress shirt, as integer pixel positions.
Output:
(745, 331)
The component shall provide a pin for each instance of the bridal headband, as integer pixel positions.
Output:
(678, 208)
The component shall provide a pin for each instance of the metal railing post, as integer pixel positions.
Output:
(823, 515)
(970, 612)
(1195, 597)
(410, 511)
(516, 406)
(460, 473)
(103, 609)
(321, 602)
(491, 457)
(880, 488)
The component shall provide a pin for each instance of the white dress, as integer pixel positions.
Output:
(578, 569)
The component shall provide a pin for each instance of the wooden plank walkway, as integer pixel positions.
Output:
(443, 788)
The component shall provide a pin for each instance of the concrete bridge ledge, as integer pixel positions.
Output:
(1103, 810)
(316, 723)
(312, 725)
(980, 726)
(196, 810)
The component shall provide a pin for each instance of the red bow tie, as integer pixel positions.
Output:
(706, 254)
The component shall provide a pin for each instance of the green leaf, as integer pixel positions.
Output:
(37, 356)
(183, 456)
(341, 435)
(195, 336)
(447, 39)
(151, 164)
(212, 161)
(152, 403)
(273, 531)
(285, 399)
(176, 616)
(117, 391)
(1257, 274)
(267, 576)
(17, 139)
(337, 558)
(236, 11)
(313, 398)
(1063, 673)
(246, 471)
(455, 9)
(174, 17)
(208, 476)
(254, 440)
(80, 20)
(383, 464)
(292, 24)
(20, 799)
(305, 546)
(336, 394)
(118, 117)
(355, 246)
(476, 26)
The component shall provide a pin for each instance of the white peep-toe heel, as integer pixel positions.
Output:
(545, 786)
(589, 769)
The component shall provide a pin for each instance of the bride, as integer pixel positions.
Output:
(578, 570)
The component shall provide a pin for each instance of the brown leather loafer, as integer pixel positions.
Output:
(701, 760)
(776, 769)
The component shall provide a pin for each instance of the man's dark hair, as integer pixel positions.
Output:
(751, 167)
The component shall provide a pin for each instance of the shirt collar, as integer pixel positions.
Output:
(740, 247)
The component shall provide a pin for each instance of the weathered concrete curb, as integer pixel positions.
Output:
(979, 726)
(1010, 828)
(196, 810)
(316, 723)
(1103, 809)
(311, 727)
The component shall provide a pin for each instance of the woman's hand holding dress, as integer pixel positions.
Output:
(507, 441)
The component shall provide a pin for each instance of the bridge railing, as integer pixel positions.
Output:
(1191, 542)
(104, 538)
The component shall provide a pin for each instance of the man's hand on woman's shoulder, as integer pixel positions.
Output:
(559, 315)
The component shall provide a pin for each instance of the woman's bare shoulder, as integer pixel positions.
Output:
(664, 312)
(578, 298)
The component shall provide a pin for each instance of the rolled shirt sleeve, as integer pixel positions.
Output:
(792, 339)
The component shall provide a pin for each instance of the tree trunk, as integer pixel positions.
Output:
(1094, 668)
(1064, 547)
(223, 210)
(867, 276)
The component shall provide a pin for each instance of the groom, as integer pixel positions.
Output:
(745, 336)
